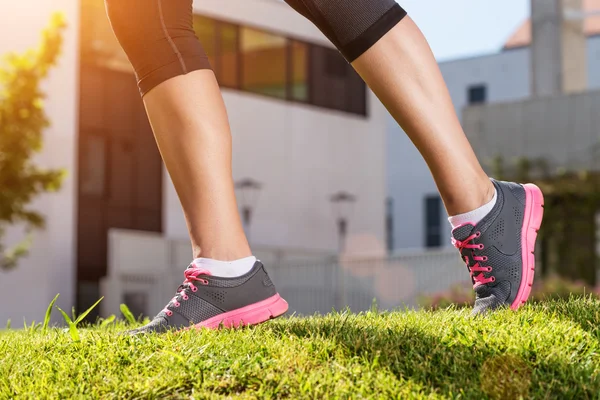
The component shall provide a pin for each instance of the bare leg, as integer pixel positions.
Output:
(189, 120)
(402, 71)
(190, 124)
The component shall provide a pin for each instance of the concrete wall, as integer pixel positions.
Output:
(26, 291)
(564, 130)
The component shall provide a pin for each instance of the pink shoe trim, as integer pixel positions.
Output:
(250, 315)
(532, 220)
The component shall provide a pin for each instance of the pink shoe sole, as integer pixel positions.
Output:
(253, 314)
(532, 220)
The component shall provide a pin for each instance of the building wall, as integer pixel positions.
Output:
(49, 269)
(301, 154)
(507, 78)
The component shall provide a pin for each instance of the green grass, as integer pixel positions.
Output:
(549, 350)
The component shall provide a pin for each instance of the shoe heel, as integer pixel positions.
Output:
(537, 204)
(534, 214)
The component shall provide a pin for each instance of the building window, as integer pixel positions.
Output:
(433, 221)
(477, 94)
(264, 63)
(247, 59)
(93, 166)
(389, 224)
(228, 58)
(220, 41)
(334, 83)
(299, 71)
(257, 61)
(206, 31)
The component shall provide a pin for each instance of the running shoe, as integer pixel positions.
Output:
(499, 250)
(206, 301)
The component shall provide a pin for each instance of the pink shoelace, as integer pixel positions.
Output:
(479, 279)
(191, 276)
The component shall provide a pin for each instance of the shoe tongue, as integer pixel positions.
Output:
(462, 232)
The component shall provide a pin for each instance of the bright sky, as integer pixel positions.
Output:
(461, 28)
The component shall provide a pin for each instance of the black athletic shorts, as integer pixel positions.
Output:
(159, 39)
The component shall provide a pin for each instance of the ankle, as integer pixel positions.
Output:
(471, 200)
(226, 269)
(222, 253)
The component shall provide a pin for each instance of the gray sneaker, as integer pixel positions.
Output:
(499, 249)
(206, 301)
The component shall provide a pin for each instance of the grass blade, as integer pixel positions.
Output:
(108, 321)
(82, 316)
(127, 314)
(72, 327)
(48, 314)
(8, 324)
(177, 356)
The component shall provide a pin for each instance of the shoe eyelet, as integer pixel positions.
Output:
(478, 234)
(194, 289)
(481, 246)
(170, 313)
(489, 269)
(493, 279)
(177, 304)
(185, 297)
(485, 258)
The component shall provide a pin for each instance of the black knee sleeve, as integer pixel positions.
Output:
(353, 26)
(158, 37)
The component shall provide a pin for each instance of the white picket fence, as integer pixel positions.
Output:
(144, 269)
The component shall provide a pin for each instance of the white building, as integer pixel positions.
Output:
(304, 126)
(416, 217)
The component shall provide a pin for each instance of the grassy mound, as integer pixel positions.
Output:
(549, 350)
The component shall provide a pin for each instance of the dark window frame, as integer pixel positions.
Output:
(432, 210)
(477, 94)
(389, 224)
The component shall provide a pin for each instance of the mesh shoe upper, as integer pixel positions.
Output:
(203, 296)
(492, 248)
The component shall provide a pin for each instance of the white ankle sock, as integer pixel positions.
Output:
(226, 269)
(473, 217)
